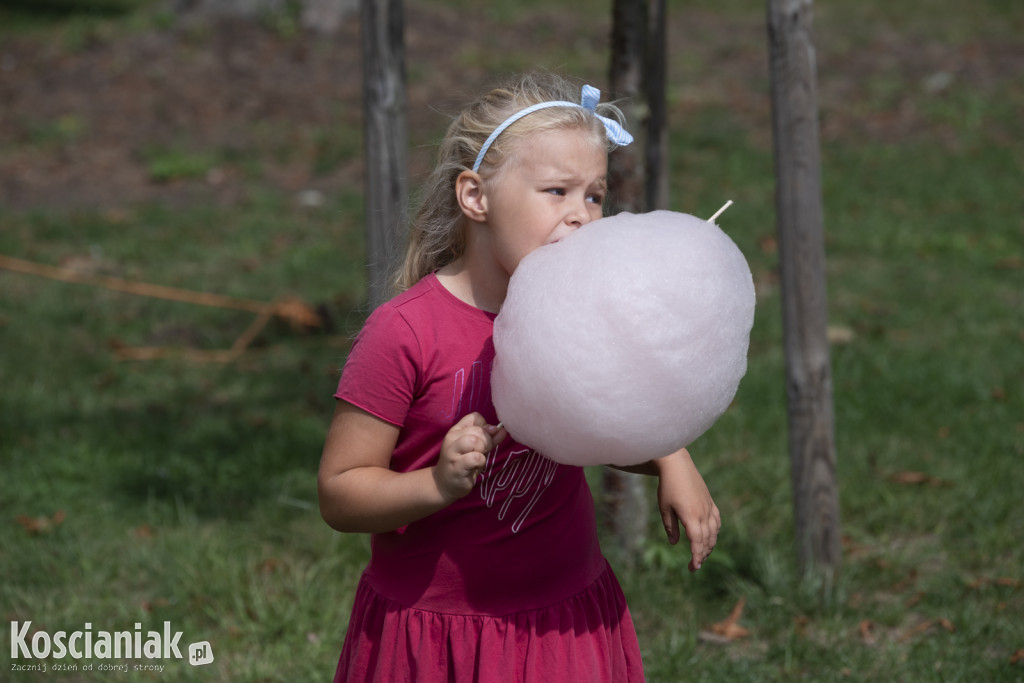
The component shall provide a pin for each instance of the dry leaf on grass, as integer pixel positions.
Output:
(143, 531)
(43, 524)
(1004, 581)
(911, 478)
(298, 312)
(867, 632)
(148, 606)
(926, 626)
(769, 244)
(1010, 263)
(840, 334)
(914, 599)
(729, 627)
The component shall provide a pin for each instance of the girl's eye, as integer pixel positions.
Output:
(596, 198)
(557, 191)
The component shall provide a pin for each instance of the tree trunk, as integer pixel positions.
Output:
(626, 80)
(623, 506)
(385, 139)
(802, 255)
(656, 143)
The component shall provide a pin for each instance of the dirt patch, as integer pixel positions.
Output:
(84, 127)
(236, 103)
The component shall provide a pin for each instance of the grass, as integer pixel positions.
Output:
(185, 490)
(932, 292)
(144, 492)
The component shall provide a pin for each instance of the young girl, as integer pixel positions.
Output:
(485, 563)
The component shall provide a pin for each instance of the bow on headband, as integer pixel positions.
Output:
(588, 100)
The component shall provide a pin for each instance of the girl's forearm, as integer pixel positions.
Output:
(654, 467)
(377, 500)
(640, 468)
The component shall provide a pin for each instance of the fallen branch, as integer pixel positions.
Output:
(288, 308)
(284, 308)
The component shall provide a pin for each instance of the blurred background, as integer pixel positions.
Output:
(159, 455)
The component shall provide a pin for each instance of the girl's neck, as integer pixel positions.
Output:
(482, 288)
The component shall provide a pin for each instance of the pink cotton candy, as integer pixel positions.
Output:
(625, 341)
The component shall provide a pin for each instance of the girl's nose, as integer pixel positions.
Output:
(579, 214)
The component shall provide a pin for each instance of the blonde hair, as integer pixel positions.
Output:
(437, 231)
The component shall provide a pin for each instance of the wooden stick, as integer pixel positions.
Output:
(247, 337)
(720, 211)
(284, 308)
(200, 355)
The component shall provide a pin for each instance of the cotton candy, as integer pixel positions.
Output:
(625, 341)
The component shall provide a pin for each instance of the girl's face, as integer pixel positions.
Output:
(553, 184)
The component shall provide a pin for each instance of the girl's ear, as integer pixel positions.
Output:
(469, 192)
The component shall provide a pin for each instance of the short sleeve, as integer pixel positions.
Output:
(381, 373)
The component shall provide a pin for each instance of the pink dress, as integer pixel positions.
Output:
(507, 584)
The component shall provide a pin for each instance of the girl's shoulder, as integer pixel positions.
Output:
(403, 320)
(429, 303)
(405, 309)
(424, 287)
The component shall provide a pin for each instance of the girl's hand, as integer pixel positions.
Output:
(359, 492)
(464, 454)
(683, 498)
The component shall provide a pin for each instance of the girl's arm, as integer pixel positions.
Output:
(359, 493)
(684, 499)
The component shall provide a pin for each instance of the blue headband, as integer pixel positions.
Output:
(588, 100)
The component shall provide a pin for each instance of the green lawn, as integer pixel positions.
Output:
(177, 491)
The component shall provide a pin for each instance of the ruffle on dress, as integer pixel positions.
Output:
(586, 638)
